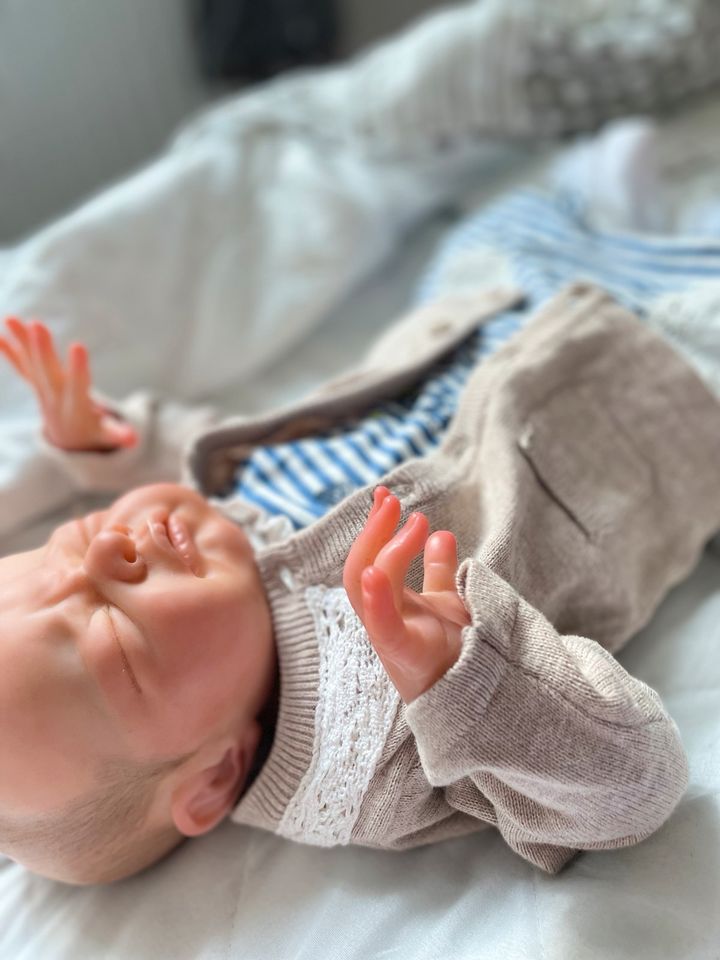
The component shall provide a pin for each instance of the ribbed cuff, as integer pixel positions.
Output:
(104, 470)
(445, 714)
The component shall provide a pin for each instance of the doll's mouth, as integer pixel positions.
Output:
(182, 542)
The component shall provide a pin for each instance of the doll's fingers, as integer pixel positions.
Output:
(42, 339)
(19, 331)
(117, 433)
(440, 562)
(76, 398)
(381, 522)
(397, 555)
(9, 351)
(21, 346)
(45, 383)
(378, 529)
(78, 366)
(382, 619)
(379, 495)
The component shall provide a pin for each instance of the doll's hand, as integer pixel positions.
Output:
(415, 635)
(72, 420)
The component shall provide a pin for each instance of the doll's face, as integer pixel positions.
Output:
(138, 632)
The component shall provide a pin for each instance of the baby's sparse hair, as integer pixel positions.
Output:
(99, 837)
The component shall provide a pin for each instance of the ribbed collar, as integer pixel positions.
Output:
(312, 556)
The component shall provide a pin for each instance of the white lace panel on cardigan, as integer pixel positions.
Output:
(356, 707)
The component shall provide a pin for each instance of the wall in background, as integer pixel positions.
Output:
(364, 21)
(90, 89)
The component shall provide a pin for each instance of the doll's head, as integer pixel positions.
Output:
(136, 654)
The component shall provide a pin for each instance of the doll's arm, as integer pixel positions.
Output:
(72, 418)
(115, 445)
(572, 751)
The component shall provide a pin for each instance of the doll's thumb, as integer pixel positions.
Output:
(118, 432)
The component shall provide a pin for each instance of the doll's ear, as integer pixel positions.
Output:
(209, 787)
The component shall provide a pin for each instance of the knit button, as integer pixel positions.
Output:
(526, 437)
(285, 574)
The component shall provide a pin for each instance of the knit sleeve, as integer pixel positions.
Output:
(45, 478)
(571, 751)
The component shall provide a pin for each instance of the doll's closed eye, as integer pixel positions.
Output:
(126, 667)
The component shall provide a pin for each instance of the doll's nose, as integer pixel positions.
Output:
(112, 555)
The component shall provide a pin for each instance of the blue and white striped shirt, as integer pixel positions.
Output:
(547, 245)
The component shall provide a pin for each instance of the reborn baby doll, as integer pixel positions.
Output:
(104, 673)
(156, 667)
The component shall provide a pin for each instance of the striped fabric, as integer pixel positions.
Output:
(547, 244)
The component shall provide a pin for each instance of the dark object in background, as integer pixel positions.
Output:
(254, 39)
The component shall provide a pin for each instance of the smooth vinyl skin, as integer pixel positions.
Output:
(415, 635)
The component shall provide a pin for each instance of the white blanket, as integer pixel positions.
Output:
(267, 210)
(248, 234)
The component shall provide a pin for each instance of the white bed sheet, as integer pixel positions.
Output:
(244, 894)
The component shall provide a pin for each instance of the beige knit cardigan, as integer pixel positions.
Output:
(580, 475)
